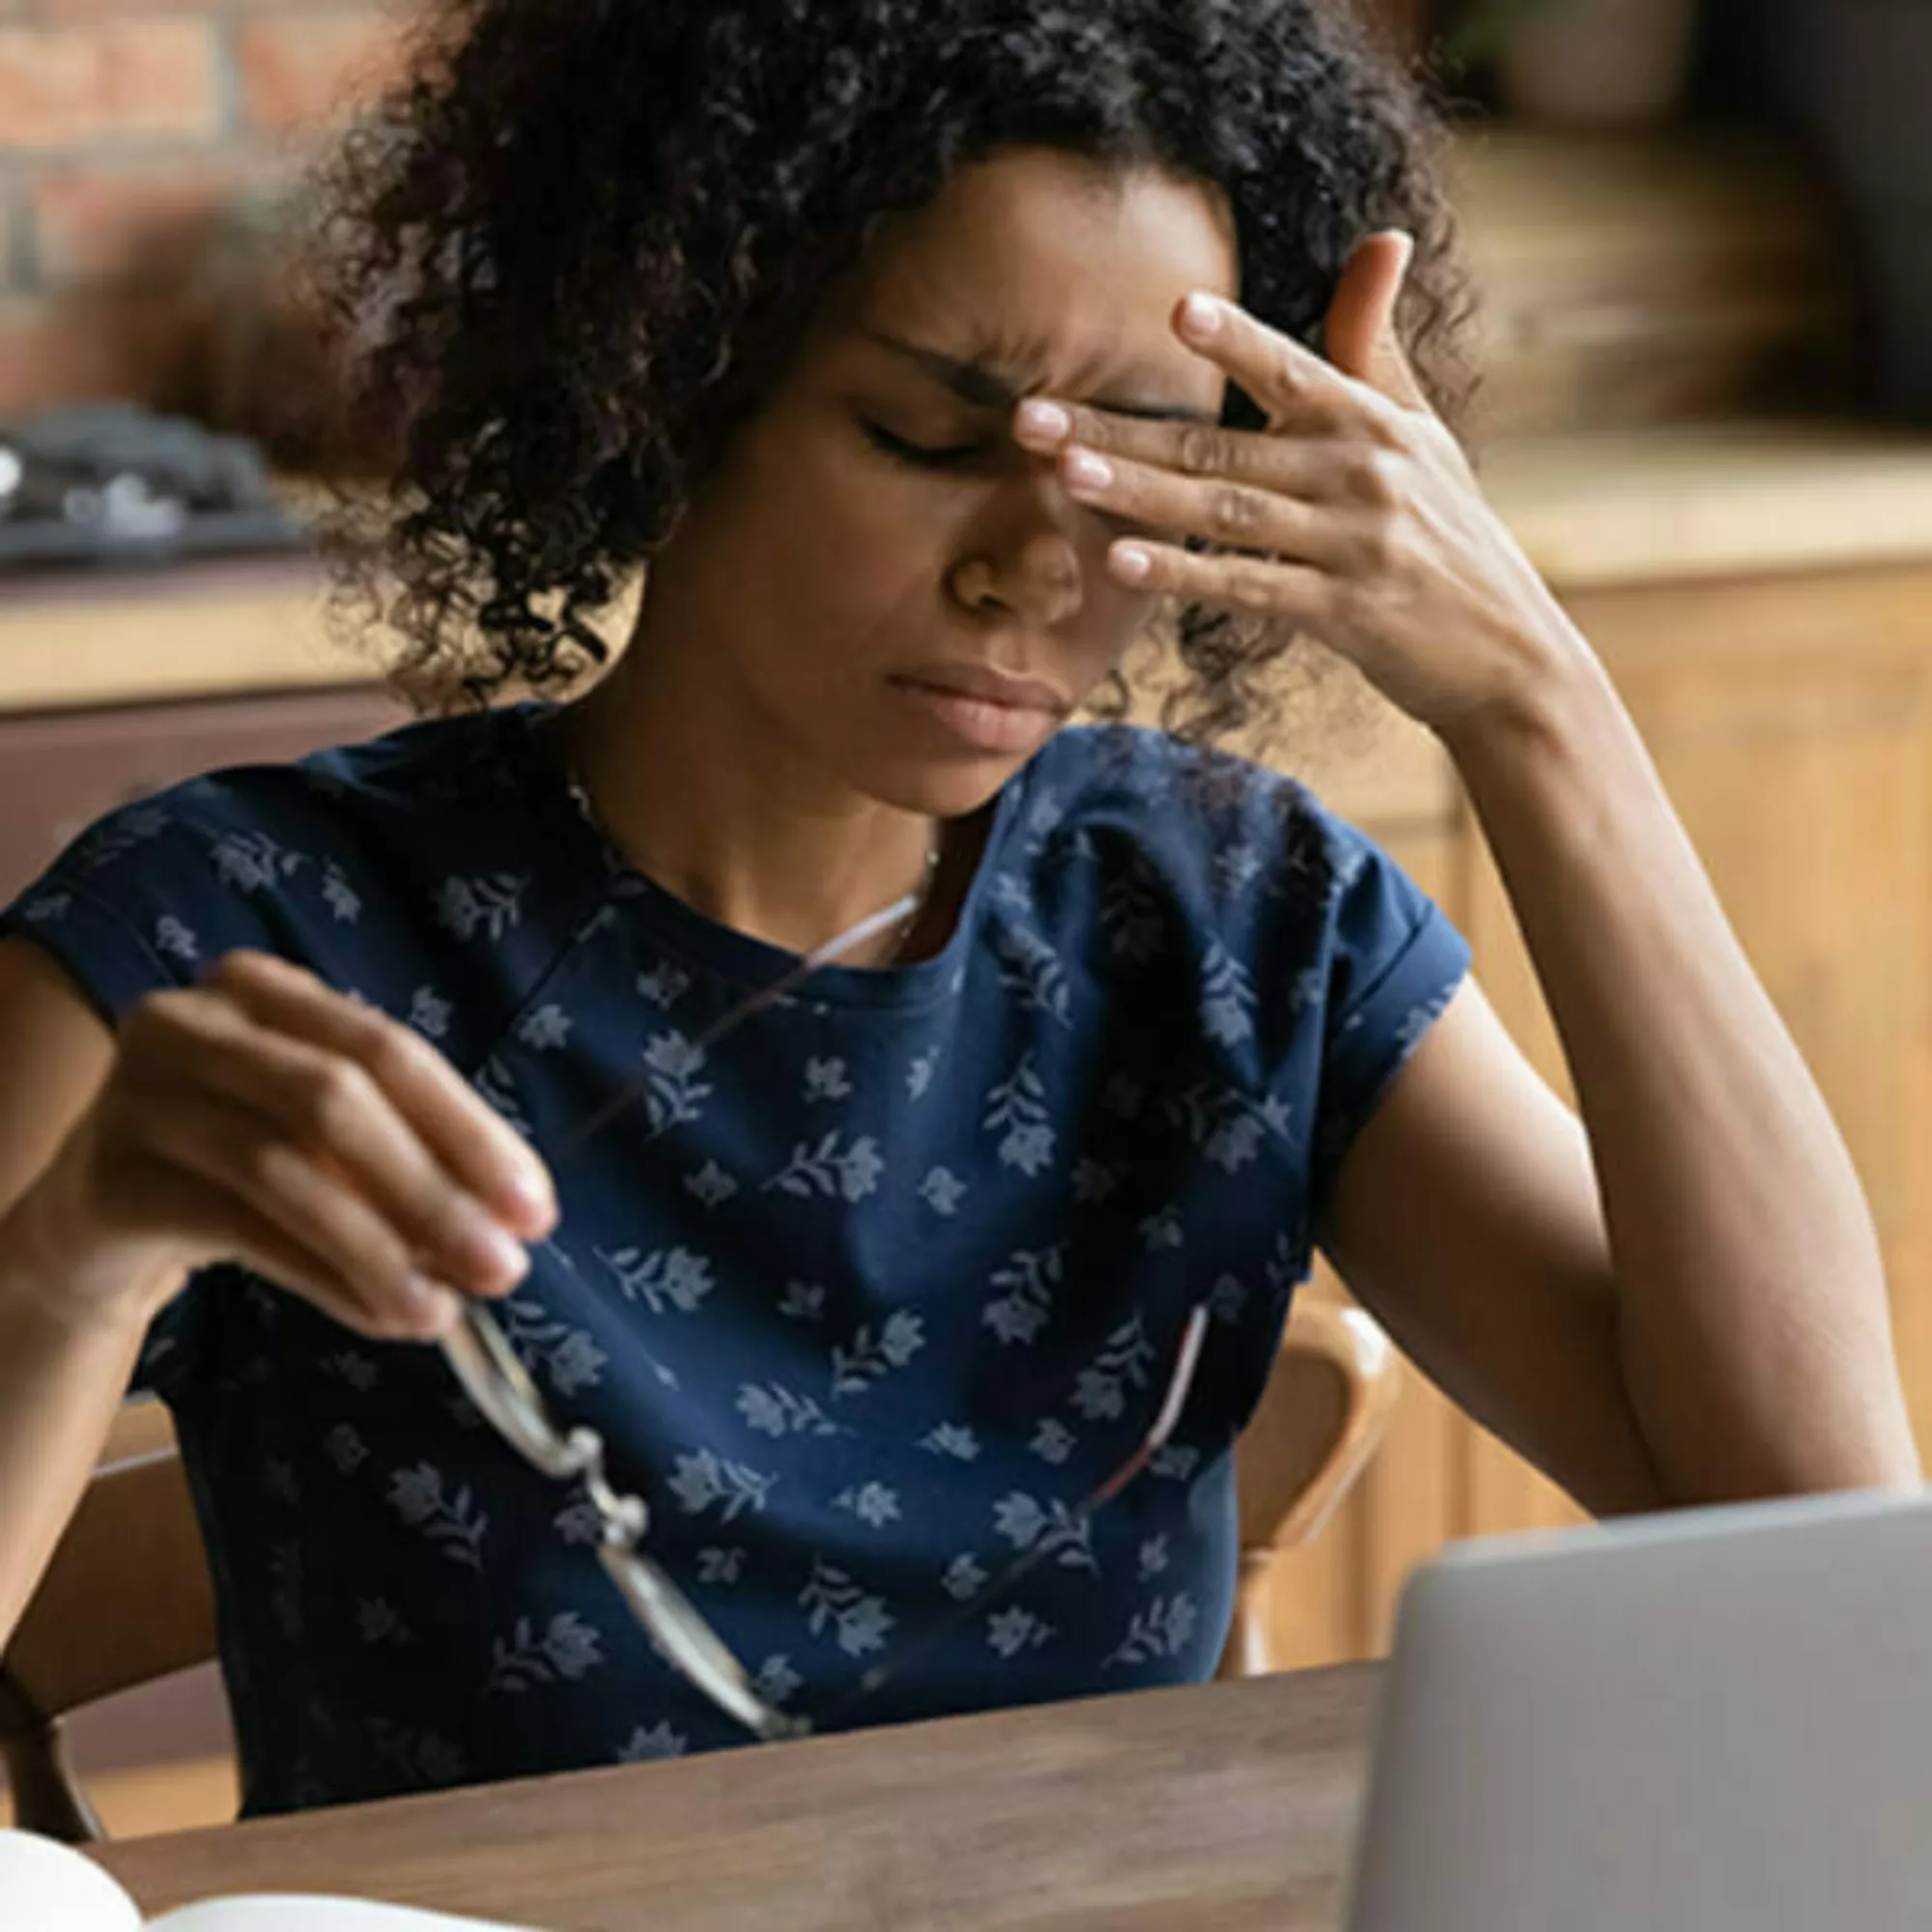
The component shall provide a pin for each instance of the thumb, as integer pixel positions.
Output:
(1361, 332)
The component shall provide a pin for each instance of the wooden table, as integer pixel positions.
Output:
(1227, 1806)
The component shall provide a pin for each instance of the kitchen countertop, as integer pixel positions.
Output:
(1650, 506)
(129, 636)
(1714, 500)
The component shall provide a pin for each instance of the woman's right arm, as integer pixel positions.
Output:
(60, 1379)
(257, 1118)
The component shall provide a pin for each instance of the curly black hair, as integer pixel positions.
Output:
(584, 238)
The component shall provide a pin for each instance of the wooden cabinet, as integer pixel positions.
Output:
(61, 771)
(1791, 719)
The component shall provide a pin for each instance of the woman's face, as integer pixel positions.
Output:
(905, 604)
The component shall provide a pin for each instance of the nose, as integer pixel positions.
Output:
(1024, 565)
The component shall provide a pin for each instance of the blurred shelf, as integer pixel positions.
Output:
(1681, 275)
(1753, 498)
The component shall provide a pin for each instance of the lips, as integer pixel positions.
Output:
(984, 710)
(989, 687)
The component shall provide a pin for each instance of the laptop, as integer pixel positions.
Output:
(1719, 1721)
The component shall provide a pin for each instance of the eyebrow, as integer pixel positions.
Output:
(981, 388)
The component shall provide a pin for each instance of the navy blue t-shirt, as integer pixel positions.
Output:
(863, 1299)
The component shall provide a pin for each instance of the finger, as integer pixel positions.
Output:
(331, 1109)
(424, 1310)
(1313, 467)
(1361, 331)
(1290, 384)
(1210, 508)
(319, 1230)
(1256, 584)
(470, 1139)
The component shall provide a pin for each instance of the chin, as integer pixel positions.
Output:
(943, 788)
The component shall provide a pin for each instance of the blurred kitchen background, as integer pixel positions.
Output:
(1703, 240)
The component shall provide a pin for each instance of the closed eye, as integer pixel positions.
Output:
(960, 456)
(925, 456)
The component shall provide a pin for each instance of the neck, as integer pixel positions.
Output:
(710, 807)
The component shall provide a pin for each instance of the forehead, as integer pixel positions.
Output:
(1057, 271)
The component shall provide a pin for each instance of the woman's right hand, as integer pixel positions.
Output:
(263, 1119)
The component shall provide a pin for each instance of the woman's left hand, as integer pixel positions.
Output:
(1356, 516)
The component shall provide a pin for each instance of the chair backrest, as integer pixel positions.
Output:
(126, 1600)
(1321, 1419)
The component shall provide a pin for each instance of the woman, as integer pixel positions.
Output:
(928, 355)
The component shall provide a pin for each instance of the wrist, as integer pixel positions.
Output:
(57, 1266)
(1554, 728)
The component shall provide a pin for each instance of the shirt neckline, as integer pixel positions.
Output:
(751, 964)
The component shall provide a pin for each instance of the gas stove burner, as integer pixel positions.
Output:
(114, 483)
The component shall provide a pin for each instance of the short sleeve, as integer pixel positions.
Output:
(1394, 964)
(1313, 965)
(139, 902)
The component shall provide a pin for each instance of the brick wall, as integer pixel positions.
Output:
(125, 126)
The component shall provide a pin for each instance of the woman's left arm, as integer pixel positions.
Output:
(1689, 1305)
(1682, 1299)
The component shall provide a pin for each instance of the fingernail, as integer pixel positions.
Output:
(1090, 470)
(438, 1309)
(493, 1259)
(1200, 317)
(530, 1187)
(1046, 420)
(1132, 562)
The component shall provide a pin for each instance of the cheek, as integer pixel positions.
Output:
(1113, 617)
(833, 573)
(842, 533)
(801, 564)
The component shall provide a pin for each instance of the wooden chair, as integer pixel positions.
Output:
(125, 1601)
(1322, 1417)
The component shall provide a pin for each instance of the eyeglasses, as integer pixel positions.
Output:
(500, 1386)
(503, 1391)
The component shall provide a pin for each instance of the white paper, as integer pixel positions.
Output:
(295, 1913)
(46, 1888)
